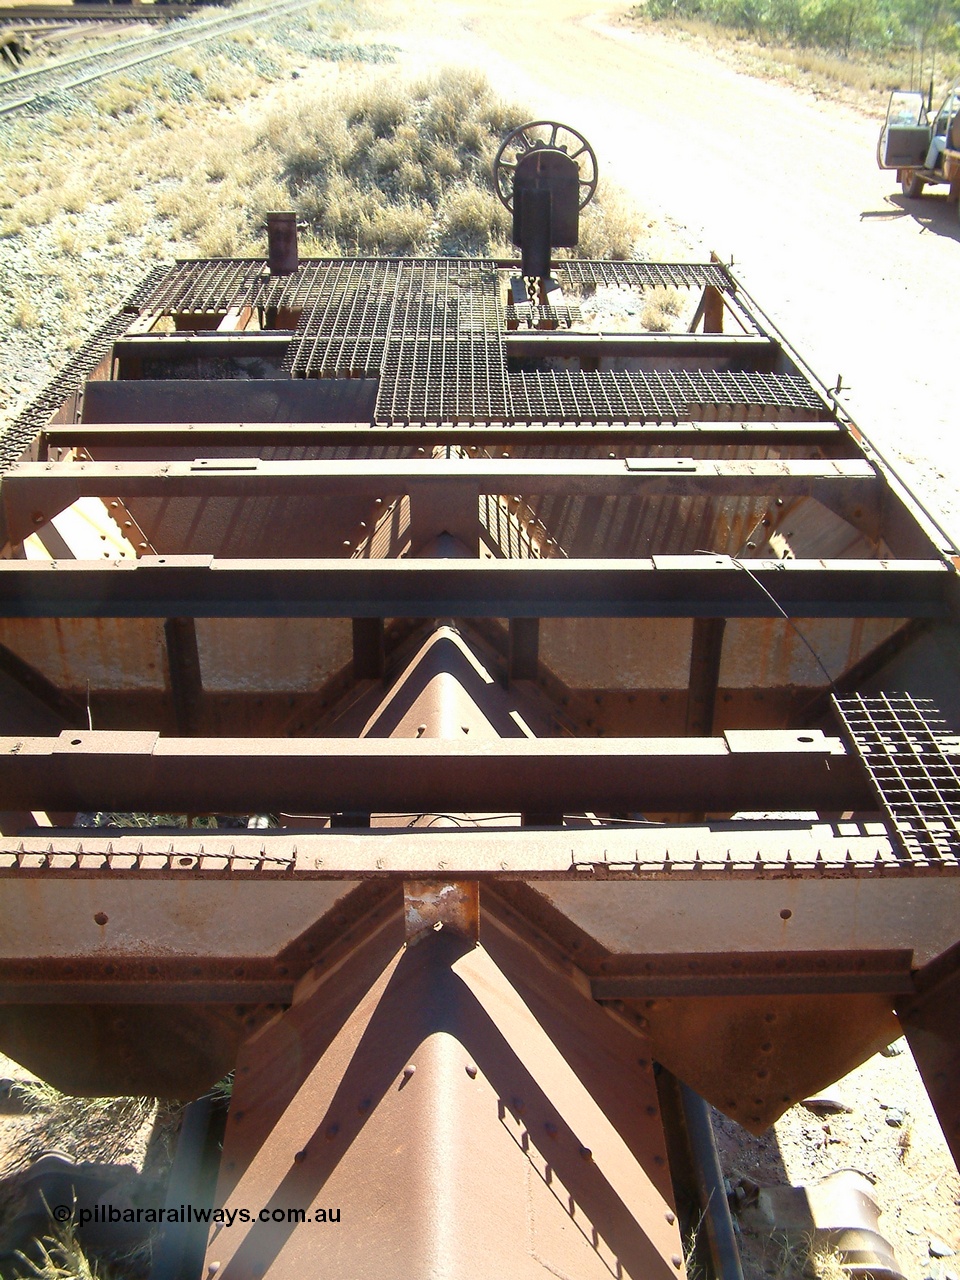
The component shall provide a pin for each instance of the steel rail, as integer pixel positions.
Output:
(84, 13)
(171, 42)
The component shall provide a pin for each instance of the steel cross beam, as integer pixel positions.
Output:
(662, 586)
(188, 435)
(33, 491)
(103, 770)
(624, 477)
(254, 979)
(622, 851)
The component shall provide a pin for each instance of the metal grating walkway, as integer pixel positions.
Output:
(432, 332)
(642, 275)
(656, 397)
(906, 750)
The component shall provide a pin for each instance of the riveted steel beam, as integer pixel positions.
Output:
(758, 973)
(722, 850)
(663, 586)
(142, 772)
(188, 435)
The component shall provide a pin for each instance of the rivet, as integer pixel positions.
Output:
(213, 1268)
(364, 1105)
(586, 1153)
(299, 1157)
(677, 1261)
(332, 1131)
(472, 1070)
(670, 1217)
(409, 1070)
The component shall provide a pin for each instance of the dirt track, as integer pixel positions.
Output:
(863, 282)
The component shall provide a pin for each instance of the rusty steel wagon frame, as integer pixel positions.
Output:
(572, 698)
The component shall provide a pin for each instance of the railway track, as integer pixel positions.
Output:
(22, 89)
(30, 14)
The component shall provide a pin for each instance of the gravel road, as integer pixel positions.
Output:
(861, 280)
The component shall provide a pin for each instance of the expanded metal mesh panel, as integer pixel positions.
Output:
(642, 275)
(561, 396)
(912, 763)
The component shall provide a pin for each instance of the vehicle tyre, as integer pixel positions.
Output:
(911, 184)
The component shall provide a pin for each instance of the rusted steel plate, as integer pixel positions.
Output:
(106, 922)
(520, 1121)
(142, 772)
(237, 656)
(441, 904)
(766, 1051)
(932, 1024)
(141, 1050)
(773, 914)
(757, 654)
(663, 586)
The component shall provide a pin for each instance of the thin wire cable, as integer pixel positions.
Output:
(787, 619)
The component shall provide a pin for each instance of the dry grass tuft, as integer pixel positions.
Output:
(661, 306)
(379, 167)
(24, 313)
(58, 1256)
(78, 1125)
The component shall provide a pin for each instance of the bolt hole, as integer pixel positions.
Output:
(101, 918)
(786, 913)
